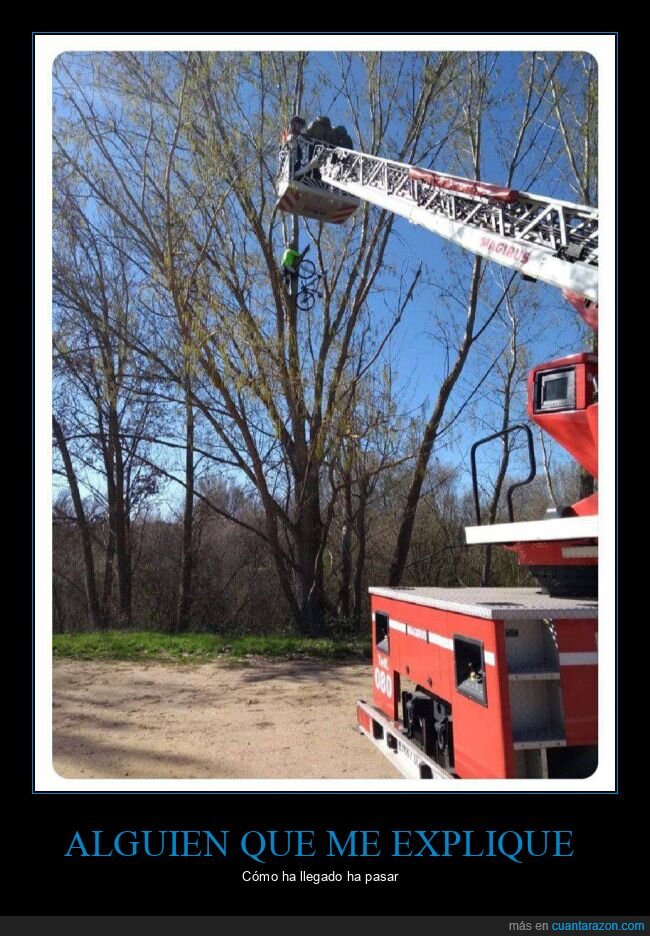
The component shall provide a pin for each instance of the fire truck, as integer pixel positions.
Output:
(487, 683)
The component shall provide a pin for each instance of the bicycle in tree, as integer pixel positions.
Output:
(294, 264)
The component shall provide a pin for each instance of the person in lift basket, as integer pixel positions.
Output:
(296, 129)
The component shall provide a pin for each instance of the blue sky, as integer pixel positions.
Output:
(554, 329)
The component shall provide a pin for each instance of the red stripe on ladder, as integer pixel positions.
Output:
(342, 214)
(287, 202)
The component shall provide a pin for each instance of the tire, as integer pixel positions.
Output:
(305, 300)
(306, 271)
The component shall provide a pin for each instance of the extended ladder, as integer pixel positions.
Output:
(543, 238)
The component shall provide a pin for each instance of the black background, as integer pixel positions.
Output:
(609, 829)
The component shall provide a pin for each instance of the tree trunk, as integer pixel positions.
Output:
(94, 616)
(187, 556)
(431, 430)
(496, 494)
(58, 622)
(107, 589)
(361, 554)
(309, 532)
(343, 603)
(309, 528)
(120, 527)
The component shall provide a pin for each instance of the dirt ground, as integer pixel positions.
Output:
(213, 720)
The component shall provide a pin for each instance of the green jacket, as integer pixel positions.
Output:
(289, 257)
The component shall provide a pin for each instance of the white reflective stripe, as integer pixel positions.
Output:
(441, 641)
(578, 659)
(445, 642)
(580, 552)
(416, 632)
(534, 531)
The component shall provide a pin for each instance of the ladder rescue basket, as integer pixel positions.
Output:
(307, 194)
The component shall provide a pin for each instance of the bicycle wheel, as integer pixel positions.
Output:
(306, 271)
(305, 300)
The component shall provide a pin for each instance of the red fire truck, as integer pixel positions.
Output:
(479, 683)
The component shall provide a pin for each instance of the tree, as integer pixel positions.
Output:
(94, 616)
(522, 143)
(372, 447)
(104, 413)
(187, 542)
(186, 172)
(573, 83)
(472, 91)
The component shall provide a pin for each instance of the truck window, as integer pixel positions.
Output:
(470, 668)
(381, 632)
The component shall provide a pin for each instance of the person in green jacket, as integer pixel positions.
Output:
(290, 262)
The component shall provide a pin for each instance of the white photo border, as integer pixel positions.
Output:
(46, 48)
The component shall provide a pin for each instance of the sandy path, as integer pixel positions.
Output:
(262, 719)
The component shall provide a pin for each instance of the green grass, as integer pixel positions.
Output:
(199, 648)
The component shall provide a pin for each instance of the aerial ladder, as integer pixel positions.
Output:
(487, 682)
